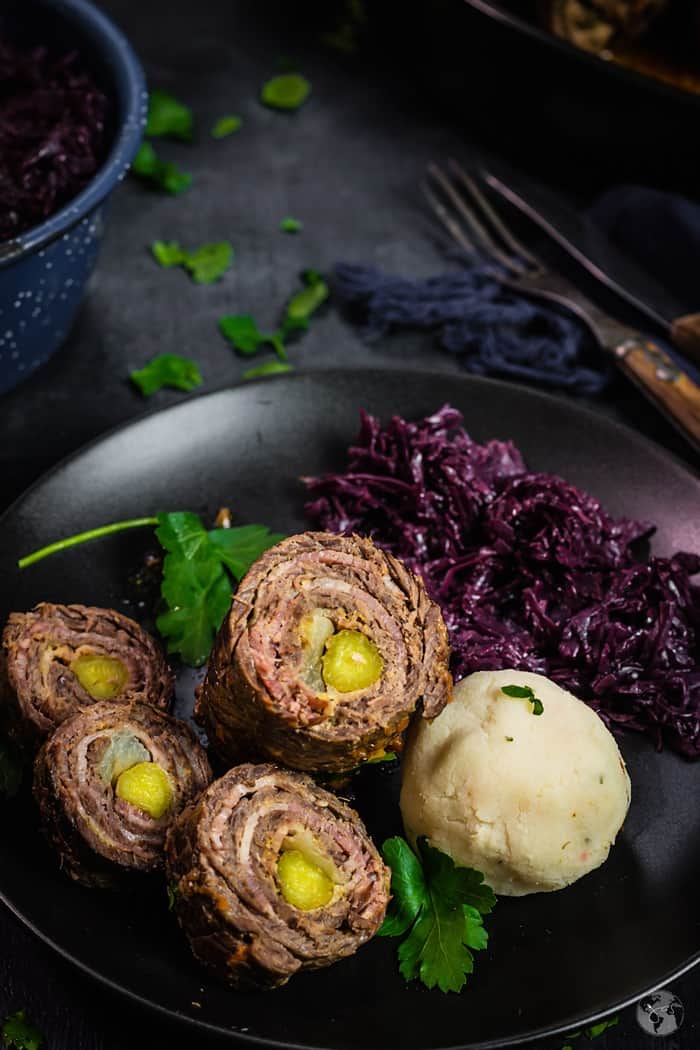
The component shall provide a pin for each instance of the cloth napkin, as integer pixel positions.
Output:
(495, 332)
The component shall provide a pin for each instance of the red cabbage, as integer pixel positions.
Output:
(53, 134)
(530, 572)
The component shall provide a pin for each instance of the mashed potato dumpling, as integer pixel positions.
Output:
(532, 801)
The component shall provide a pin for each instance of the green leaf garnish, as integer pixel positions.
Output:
(226, 126)
(524, 692)
(161, 173)
(593, 1031)
(11, 769)
(440, 906)
(205, 265)
(286, 91)
(244, 335)
(302, 305)
(168, 117)
(270, 368)
(172, 894)
(167, 370)
(290, 225)
(196, 585)
(18, 1032)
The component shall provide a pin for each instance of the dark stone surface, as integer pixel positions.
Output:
(348, 165)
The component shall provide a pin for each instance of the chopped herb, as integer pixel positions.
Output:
(440, 906)
(302, 305)
(148, 165)
(226, 126)
(172, 894)
(18, 1033)
(290, 225)
(167, 370)
(10, 769)
(205, 264)
(270, 368)
(168, 117)
(196, 583)
(243, 334)
(510, 739)
(286, 91)
(524, 692)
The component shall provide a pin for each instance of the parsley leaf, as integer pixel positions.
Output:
(167, 370)
(167, 116)
(270, 368)
(205, 264)
(286, 91)
(290, 225)
(19, 1033)
(524, 692)
(440, 905)
(226, 126)
(196, 583)
(149, 166)
(243, 334)
(10, 770)
(302, 305)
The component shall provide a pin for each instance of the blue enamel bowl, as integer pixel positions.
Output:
(44, 271)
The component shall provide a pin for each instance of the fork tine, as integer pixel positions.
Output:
(476, 228)
(452, 227)
(509, 238)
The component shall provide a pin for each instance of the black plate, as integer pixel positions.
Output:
(555, 960)
(523, 19)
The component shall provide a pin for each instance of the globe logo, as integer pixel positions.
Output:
(660, 1013)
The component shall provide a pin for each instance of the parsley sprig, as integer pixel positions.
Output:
(440, 907)
(199, 571)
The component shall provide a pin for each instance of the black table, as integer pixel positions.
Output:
(348, 165)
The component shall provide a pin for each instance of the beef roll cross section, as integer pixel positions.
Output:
(109, 782)
(272, 875)
(59, 658)
(329, 647)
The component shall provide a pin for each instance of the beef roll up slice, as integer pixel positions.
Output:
(59, 658)
(272, 875)
(329, 647)
(109, 782)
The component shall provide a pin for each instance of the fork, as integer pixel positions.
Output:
(459, 203)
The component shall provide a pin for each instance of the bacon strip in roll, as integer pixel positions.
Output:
(59, 658)
(110, 781)
(272, 875)
(329, 647)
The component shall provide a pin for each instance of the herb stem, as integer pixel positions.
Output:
(83, 537)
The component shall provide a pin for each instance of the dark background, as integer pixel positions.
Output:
(348, 165)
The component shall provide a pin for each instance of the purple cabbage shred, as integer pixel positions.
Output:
(53, 134)
(529, 571)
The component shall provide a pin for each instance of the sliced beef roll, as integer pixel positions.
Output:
(271, 875)
(329, 646)
(110, 781)
(59, 658)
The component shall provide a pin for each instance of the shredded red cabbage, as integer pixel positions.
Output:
(530, 572)
(53, 134)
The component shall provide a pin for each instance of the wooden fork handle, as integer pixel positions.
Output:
(674, 392)
(685, 332)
